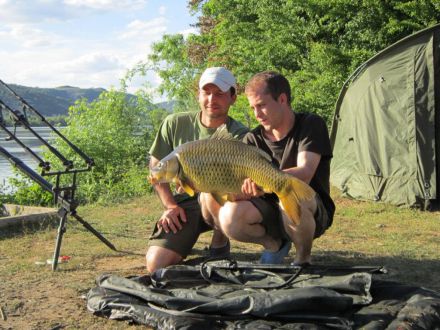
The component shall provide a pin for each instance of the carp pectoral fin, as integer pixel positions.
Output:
(187, 188)
(295, 193)
(221, 199)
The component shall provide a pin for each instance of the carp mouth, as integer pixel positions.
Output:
(152, 180)
(156, 176)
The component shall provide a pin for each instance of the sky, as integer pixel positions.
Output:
(83, 43)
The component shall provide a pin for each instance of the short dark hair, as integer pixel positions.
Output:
(276, 84)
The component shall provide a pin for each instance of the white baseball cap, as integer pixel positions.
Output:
(218, 76)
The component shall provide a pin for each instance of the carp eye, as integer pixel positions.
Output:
(159, 165)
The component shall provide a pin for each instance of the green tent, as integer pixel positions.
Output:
(386, 128)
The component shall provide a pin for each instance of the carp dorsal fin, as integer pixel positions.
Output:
(221, 133)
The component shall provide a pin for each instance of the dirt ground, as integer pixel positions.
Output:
(43, 299)
(35, 297)
(46, 300)
(32, 296)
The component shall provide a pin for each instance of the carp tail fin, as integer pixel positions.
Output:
(295, 192)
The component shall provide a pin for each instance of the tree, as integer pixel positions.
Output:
(170, 60)
(315, 43)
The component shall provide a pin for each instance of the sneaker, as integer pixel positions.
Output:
(301, 265)
(221, 252)
(268, 257)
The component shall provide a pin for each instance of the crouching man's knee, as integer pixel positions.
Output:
(230, 219)
(158, 257)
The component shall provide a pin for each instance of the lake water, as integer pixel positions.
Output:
(15, 149)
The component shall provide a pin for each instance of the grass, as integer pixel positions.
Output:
(405, 241)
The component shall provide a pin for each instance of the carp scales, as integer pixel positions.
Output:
(220, 164)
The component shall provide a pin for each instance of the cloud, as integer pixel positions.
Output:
(26, 36)
(61, 67)
(138, 29)
(189, 31)
(49, 43)
(31, 11)
(106, 4)
(93, 62)
(61, 10)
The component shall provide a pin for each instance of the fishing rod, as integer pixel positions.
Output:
(64, 195)
(26, 106)
(20, 119)
(12, 136)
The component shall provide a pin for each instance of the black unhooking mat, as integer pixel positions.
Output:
(236, 295)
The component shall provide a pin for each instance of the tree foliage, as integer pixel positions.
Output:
(171, 61)
(116, 132)
(315, 43)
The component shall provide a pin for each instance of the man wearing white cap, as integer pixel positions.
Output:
(180, 225)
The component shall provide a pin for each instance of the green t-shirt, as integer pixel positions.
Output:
(182, 127)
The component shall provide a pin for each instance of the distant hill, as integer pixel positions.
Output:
(166, 105)
(48, 101)
(55, 101)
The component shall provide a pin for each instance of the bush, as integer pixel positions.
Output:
(27, 192)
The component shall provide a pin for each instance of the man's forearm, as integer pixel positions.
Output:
(307, 163)
(300, 173)
(163, 189)
(166, 196)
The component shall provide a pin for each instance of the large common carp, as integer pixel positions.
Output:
(219, 165)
